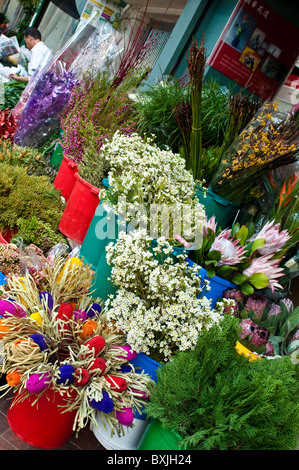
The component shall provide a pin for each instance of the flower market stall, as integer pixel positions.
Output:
(130, 304)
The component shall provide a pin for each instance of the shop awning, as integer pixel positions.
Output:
(68, 6)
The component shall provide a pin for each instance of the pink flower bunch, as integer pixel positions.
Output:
(269, 267)
(231, 251)
(274, 238)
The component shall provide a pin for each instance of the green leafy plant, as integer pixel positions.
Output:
(217, 399)
(234, 112)
(23, 196)
(15, 155)
(40, 233)
(12, 93)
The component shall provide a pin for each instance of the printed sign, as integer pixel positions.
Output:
(257, 49)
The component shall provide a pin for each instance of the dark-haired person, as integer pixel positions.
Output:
(39, 53)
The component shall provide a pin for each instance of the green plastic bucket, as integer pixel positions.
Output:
(156, 437)
(224, 210)
(56, 157)
(102, 230)
(101, 287)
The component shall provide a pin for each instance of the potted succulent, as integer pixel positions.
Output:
(58, 347)
(214, 398)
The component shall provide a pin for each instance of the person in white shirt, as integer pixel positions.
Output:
(40, 54)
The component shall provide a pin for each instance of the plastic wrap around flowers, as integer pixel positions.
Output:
(42, 111)
(59, 339)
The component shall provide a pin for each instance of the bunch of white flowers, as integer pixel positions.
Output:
(153, 187)
(160, 303)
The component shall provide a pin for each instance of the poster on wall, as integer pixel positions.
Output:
(257, 49)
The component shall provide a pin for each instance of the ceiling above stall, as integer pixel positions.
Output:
(167, 10)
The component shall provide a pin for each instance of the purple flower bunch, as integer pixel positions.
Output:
(93, 115)
(42, 112)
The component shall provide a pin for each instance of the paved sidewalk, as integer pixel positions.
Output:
(86, 440)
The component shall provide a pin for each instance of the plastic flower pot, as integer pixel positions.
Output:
(44, 424)
(2, 239)
(102, 230)
(7, 235)
(217, 284)
(66, 177)
(224, 210)
(101, 286)
(129, 441)
(79, 210)
(57, 155)
(157, 438)
(2, 279)
(149, 366)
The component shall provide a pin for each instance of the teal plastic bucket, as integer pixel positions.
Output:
(102, 230)
(57, 154)
(156, 437)
(217, 284)
(101, 287)
(224, 210)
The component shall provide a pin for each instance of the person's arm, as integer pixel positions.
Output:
(18, 78)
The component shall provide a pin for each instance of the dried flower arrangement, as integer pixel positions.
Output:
(55, 335)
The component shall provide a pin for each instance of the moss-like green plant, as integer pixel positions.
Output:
(39, 232)
(217, 399)
(23, 196)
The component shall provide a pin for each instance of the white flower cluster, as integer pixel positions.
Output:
(157, 304)
(143, 179)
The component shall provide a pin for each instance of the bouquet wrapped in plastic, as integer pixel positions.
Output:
(45, 99)
(42, 111)
(270, 141)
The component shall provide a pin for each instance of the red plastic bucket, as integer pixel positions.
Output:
(44, 424)
(65, 178)
(79, 210)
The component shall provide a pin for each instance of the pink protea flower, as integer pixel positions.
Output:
(257, 303)
(296, 335)
(259, 337)
(288, 303)
(231, 251)
(247, 327)
(235, 295)
(269, 267)
(274, 310)
(211, 224)
(274, 239)
(269, 349)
